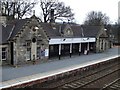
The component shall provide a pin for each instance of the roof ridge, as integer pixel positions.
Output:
(11, 32)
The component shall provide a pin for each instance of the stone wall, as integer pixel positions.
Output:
(102, 41)
(23, 43)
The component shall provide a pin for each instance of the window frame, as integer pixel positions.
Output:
(28, 54)
(5, 53)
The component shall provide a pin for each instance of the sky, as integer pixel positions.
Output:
(82, 7)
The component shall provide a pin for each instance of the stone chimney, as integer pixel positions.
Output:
(3, 18)
(33, 12)
(52, 19)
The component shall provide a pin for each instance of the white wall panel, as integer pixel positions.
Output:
(70, 40)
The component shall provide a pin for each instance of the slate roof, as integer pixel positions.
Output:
(52, 30)
(5, 33)
(76, 30)
(91, 31)
(11, 29)
(18, 24)
(55, 30)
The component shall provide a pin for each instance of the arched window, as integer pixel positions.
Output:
(34, 40)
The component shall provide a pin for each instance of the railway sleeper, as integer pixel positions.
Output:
(95, 76)
(118, 86)
(71, 85)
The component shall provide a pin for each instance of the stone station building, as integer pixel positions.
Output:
(29, 39)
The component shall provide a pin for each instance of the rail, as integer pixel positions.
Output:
(74, 79)
(81, 82)
(112, 84)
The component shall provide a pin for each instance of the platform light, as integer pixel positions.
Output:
(36, 28)
(64, 39)
(105, 29)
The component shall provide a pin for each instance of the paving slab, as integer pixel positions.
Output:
(12, 75)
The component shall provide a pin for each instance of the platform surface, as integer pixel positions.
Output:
(12, 76)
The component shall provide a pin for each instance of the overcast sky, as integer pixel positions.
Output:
(82, 7)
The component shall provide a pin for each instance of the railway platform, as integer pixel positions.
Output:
(16, 76)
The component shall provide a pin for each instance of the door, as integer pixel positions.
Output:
(12, 53)
(28, 54)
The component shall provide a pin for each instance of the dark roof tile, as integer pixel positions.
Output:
(5, 33)
(11, 29)
(18, 26)
(52, 30)
(91, 31)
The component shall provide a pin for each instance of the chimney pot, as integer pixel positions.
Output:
(52, 20)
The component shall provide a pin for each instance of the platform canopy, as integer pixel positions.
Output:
(70, 40)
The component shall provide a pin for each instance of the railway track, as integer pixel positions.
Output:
(91, 81)
(87, 80)
(115, 85)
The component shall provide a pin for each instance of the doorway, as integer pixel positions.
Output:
(12, 53)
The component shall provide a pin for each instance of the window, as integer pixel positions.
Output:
(68, 32)
(34, 40)
(38, 52)
(51, 48)
(4, 53)
(28, 53)
(27, 44)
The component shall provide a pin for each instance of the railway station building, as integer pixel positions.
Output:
(29, 39)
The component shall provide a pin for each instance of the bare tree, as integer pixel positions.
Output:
(60, 10)
(96, 18)
(17, 8)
